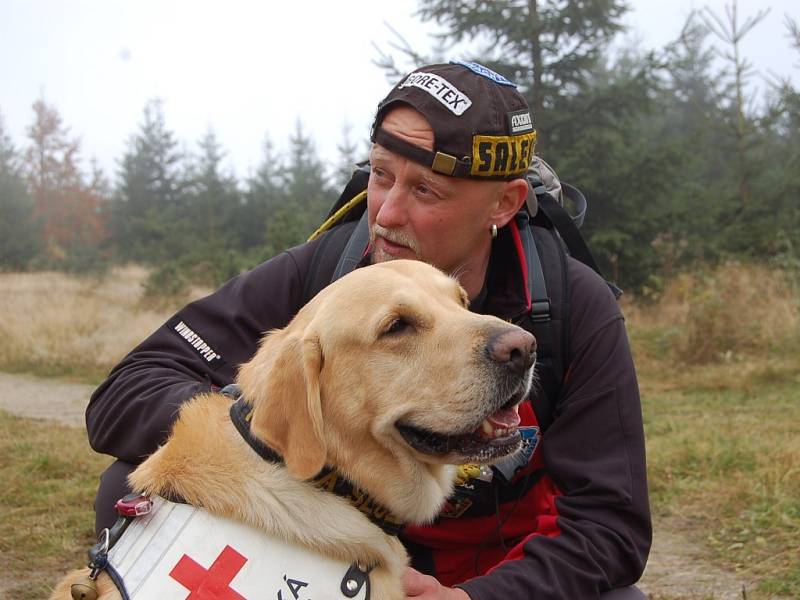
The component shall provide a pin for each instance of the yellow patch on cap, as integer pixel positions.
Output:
(501, 155)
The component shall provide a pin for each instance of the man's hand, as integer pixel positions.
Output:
(424, 587)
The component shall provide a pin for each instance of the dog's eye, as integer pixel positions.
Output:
(398, 326)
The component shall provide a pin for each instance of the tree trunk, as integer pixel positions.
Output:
(536, 94)
(741, 126)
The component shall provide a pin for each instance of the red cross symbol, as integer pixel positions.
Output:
(211, 584)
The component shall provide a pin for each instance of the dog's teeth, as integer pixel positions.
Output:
(492, 433)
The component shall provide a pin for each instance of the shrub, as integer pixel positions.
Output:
(710, 316)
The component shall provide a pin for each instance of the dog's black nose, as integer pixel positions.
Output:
(514, 348)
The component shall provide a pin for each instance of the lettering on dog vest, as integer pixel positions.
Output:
(445, 92)
(294, 585)
(502, 155)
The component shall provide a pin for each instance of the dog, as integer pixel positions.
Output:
(386, 379)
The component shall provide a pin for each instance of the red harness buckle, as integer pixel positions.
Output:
(134, 505)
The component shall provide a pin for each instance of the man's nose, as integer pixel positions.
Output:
(392, 212)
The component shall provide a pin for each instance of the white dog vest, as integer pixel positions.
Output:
(180, 551)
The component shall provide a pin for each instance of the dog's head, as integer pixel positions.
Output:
(387, 365)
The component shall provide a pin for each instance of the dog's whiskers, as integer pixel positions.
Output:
(458, 271)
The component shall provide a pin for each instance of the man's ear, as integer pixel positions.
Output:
(282, 383)
(513, 196)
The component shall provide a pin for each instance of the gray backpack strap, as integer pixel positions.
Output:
(354, 250)
(578, 200)
(326, 258)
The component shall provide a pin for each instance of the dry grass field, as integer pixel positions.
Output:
(77, 327)
(719, 363)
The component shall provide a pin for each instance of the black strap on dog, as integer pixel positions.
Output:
(86, 588)
(329, 479)
(241, 413)
(352, 582)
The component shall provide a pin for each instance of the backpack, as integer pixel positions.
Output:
(547, 234)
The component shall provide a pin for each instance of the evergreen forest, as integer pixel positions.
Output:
(682, 164)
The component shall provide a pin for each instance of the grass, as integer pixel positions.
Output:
(49, 477)
(726, 464)
(722, 421)
(718, 358)
(708, 317)
(77, 327)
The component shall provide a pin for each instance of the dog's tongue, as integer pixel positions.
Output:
(501, 423)
(505, 418)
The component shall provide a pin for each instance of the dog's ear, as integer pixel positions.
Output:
(282, 382)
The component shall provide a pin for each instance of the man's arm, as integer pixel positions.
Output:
(130, 414)
(595, 458)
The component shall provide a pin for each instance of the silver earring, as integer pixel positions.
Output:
(494, 231)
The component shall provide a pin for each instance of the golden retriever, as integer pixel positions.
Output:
(384, 376)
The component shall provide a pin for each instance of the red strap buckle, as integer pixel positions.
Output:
(134, 505)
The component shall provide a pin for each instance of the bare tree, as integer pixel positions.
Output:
(732, 33)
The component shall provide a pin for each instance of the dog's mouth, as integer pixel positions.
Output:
(496, 436)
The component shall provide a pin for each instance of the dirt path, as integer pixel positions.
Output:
(39, 398)
(675, 570)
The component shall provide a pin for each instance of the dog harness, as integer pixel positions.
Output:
(329, 479)
(179, 551)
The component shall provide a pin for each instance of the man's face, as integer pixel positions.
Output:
(418, 214)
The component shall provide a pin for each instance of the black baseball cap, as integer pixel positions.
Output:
(482, 125)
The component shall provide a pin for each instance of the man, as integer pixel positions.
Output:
(569, 518)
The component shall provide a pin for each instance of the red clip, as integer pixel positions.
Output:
(134, 505)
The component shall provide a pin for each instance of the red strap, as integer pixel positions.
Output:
(523, 263)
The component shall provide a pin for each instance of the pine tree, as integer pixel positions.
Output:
(146, 208)
(212, 198)
(608, 150)
(349, 156)
(20, 233)
(731, 32)
(548, 47)
(699, 172)
(308, 196)
(774, 230)
(213, 195)
(265, 194)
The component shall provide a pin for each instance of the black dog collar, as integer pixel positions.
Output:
(329, 479)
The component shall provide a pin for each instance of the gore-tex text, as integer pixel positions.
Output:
(441, 89)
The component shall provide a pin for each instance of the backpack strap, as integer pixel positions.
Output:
(354, 250)
(548, 316)
(344, 229)
(346, 208)
(567, 228)
(330, 251)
